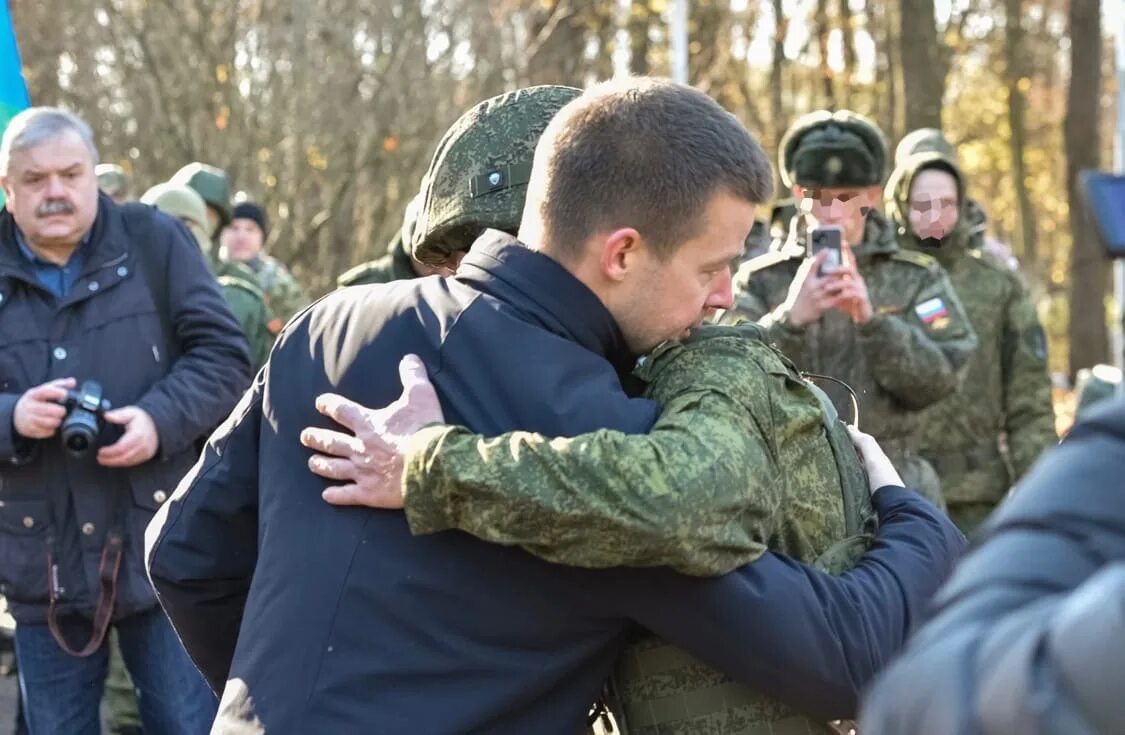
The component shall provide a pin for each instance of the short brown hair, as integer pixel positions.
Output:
(644, 153)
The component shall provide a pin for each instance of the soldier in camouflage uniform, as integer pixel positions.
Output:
(113, 181)
(398, 263)
(1007, 388)
(741, 433)
(932, 140)
(241, 242)
(888, 323)
(212, 184)
(245, 299)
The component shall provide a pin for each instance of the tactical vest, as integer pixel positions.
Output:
(659, 689)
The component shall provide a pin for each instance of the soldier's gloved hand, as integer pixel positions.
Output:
(809, 295)
(370, 458)
(880, 471)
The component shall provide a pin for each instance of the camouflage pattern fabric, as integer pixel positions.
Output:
(237, 281)
(248, 304)
(394, 266)
(284, 296)
(910, 355)
(1007, 388)
(479, 174)
(120, 698)
(741, 434)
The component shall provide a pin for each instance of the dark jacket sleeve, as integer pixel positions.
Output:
(13, 447)
(1029, 647)
(802, 636)
(213, 366)
(202, 546)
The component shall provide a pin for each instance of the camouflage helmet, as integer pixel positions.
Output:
(410, 219)
(182, 202)
(833, 149)
(1094, 385)
(479, 174)
(210, 183)
(924, 140)
(112, 179)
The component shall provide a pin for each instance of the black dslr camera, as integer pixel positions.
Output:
(85, 418)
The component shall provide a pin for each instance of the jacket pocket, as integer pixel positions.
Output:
(23, 550)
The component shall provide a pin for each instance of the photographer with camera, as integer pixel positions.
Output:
(117, 352)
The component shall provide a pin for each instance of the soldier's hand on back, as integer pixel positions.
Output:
(880, 471)
(370, 459)
(810, 295)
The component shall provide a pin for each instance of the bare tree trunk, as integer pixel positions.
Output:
(888, 74)
(823, 30)
(847, 27)
(924, 64)
(1089, 271)
(1013, 63)
(778, 118)
(640, 24)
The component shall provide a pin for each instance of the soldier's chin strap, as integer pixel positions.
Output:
(854, 423)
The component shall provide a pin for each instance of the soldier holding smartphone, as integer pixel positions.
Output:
(885, 321)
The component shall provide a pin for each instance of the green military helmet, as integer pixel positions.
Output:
(410, 219)
(112, 179)
(479, 174)
(833, 149)
(182, 202)
(1094, 385)
(924, 140)
(210, 183)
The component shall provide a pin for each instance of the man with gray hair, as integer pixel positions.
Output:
(110, 370)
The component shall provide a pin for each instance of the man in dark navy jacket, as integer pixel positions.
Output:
(640, 196)
(91, 291)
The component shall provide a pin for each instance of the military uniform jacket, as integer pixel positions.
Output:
(910, 355)
(392, 625)
(1006, 390)
(393, 266)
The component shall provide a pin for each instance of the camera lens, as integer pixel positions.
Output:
(79, 431)
(77, 443)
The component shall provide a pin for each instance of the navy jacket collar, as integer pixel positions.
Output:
(550, 295)
(104, 243)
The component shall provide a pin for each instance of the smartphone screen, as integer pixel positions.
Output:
(830, 238)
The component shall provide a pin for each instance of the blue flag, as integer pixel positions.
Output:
(13, 90)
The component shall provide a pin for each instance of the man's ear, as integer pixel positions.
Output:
(620, 252)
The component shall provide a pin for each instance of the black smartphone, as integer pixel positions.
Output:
(1104, 195)
(830, 238)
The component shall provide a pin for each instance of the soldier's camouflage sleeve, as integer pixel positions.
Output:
(918, 355)
(695, 494)
(1029, 418)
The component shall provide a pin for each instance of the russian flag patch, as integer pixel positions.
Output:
(931, 311)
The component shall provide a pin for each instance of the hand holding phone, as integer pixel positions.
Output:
(827, 238)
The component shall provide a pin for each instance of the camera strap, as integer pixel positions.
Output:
(109, 567)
